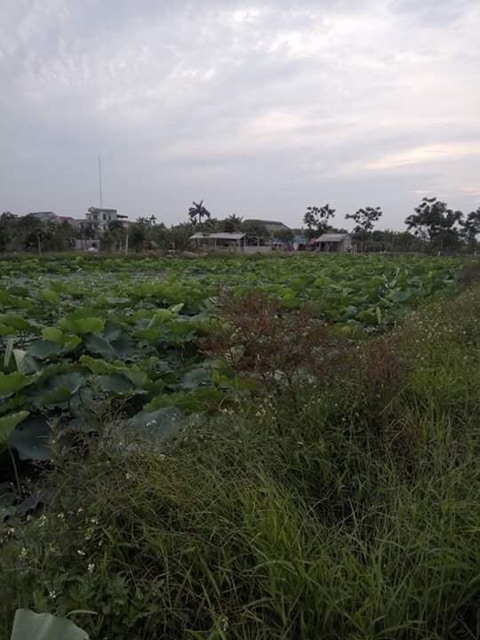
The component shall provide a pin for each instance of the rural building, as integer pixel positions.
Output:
(220, 240)
(299, 243)
(333, 243)
(100, 218)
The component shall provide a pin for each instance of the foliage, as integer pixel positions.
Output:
(124, 336)
(317, 220)
(346, 510)
(434, 221)
(197, 212)
(365, 219)
(471, 228)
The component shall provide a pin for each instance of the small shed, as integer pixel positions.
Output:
(299, 243)
(334, 243)
(220, 240)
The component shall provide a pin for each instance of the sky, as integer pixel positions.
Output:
(259, 108)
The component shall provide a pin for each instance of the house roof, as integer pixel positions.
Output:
(270, 225)
(332, 237)
(217, 236)
(299, 239)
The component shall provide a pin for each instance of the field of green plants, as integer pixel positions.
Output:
(241, 448)
(81, 336)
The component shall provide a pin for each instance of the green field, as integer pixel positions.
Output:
(242, 447)
(84, 332)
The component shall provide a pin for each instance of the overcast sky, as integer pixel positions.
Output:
(259, 108)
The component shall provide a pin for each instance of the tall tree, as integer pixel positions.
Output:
(232, 223)
(434, 222)
(317, 219)
(365, 219)
(471, 229)
(197, 212)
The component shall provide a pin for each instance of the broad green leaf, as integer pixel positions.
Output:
(6, 330)
(116, 383)
(28, 625)
(196, 378)
(52, 334)
(44, 349)
(97, 344)
(95, 365)
(11, 382)
(161, 316)
(30, 440)
(82, 326)
(8, 424)
(47, 295)
(158, 425)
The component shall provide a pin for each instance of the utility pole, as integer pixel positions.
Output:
(100, 186)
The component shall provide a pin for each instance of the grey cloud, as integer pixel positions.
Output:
(259, 108)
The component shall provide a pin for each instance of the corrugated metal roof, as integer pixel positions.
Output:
(217, 236)
(333, 237)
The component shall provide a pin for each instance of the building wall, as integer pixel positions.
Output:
(259, 249)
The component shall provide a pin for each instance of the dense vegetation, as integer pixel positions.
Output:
(322, 480)
(433, 227)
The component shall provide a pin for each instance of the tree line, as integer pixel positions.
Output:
(433, 227)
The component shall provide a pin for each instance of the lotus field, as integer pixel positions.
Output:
(86, 339)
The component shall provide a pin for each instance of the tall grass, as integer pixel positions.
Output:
(346, 508)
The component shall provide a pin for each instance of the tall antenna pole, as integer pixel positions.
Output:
(100, 186)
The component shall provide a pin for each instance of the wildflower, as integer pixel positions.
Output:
(23, 553)
(80, 552)
(52, 594)
(90, 567)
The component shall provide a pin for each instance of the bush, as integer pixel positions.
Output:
(347, 508)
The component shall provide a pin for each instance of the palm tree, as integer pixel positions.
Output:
(197, 212)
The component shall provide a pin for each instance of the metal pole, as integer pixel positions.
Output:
(100, 180)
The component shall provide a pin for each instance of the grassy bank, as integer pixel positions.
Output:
(344, 506)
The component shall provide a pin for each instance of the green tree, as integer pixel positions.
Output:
(317, 219)
(232, 224)
(435, 223)
(364, 219)
(197, 212)
(8, 235)
(114, 238)
(471, 229)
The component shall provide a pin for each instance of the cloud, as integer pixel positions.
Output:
(332, 96)
(433, 153)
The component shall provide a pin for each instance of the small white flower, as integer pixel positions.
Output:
(80, 552)
(90, 567)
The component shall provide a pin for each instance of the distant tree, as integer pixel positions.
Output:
(114, 237)
(197, 212)
(435, 223)
(232, 223)
(365, 219)
(286, 235)
(317, 219)
(179, 236)
(138, 235)
(471, 229)
(8, 235)
(254, 229)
